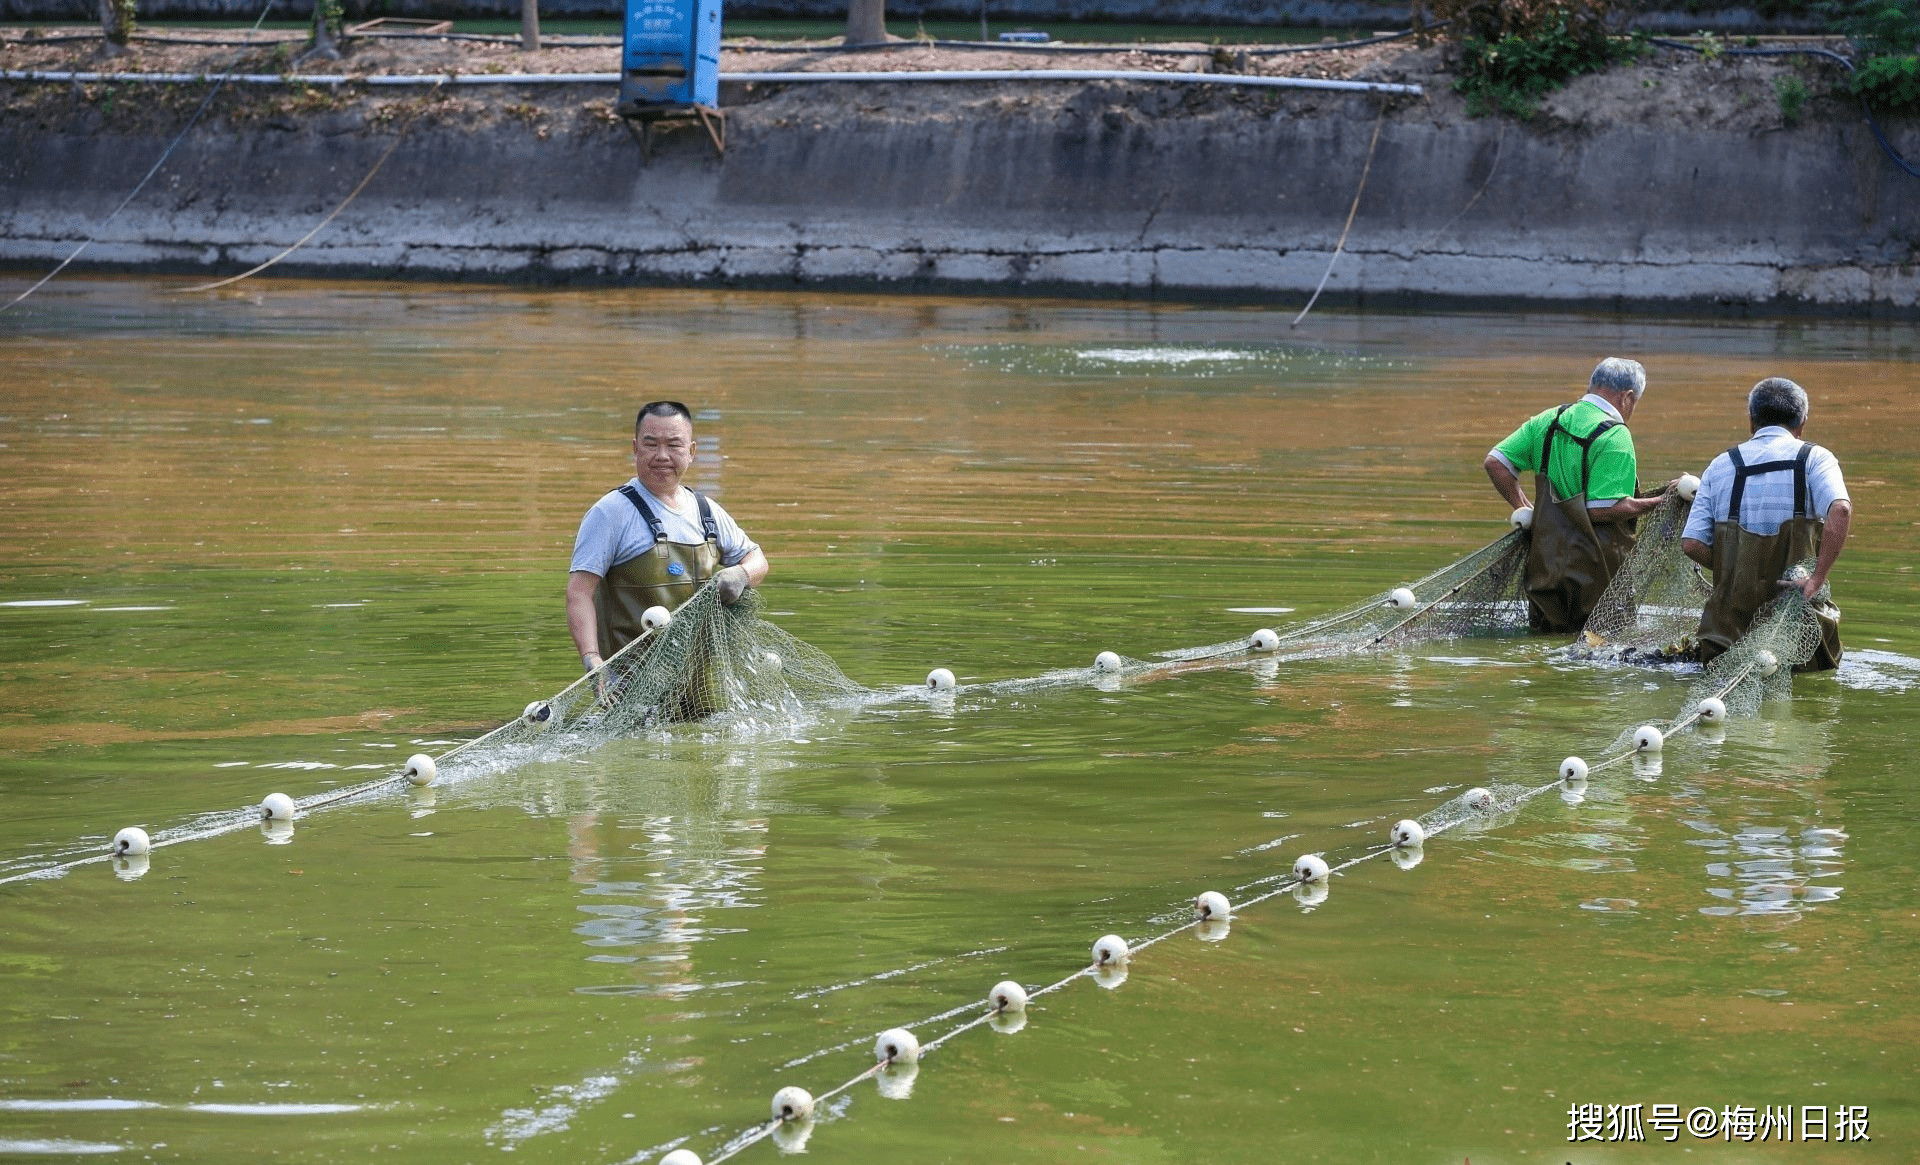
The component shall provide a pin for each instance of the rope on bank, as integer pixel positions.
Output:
(1499, 142)
(1351, 211)
(319, 226)
(154, 169)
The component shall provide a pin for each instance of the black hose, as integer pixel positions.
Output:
(1873, 123)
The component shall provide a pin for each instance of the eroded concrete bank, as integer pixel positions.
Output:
(1057, 187)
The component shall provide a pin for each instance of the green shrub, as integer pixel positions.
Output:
(1888, 82)
(1792, 92)
(1886, 35)
(1510, 75)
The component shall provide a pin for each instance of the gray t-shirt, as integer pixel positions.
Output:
(613, 531)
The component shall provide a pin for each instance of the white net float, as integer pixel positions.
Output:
(1310, 868)
(1401, 599)
(1521, 519)
(277, 807)
(772, 660)
(1265, 639)
(420, 769)
(1479, 800)
(538, 712)
(1106, 661)
(131, 868)
(131, 842)
(1007, 996)
(896, 1046)
(1110, 951)
(681, 1157)
(895, 1081)
(1408, 858)
(1647, 738)
(1687, 486)
(1407, 833)
(1713, 710)
(654, 618)
(1573, 769)
(1766, 663)
(792, 1103)
(1212, 904)
(940, 679)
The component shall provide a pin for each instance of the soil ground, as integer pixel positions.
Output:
(1665, 87)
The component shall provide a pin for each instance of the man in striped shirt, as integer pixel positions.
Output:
(1764, 507)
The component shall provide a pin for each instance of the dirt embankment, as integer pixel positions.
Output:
(1736, 94)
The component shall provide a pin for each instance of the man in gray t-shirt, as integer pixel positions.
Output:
(652, 542)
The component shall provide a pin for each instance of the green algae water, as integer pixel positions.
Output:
(280, 539)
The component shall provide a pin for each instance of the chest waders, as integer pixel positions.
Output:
(1570, 560)
(665, 576)
(1748, 567)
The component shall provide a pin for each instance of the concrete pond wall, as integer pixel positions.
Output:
(1104, 189)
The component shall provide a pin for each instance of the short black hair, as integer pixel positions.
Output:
(1777, 401)
(661, 408)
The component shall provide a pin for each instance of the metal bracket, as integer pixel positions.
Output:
(640, 120)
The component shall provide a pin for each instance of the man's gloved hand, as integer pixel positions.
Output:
(733, 582)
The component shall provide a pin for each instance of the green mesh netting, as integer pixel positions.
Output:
(1480, 594)
(1651, 609)
(709, 659)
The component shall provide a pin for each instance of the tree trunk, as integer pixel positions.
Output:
(326, 14)
(866, 21)
(530, 24)
(116, 25)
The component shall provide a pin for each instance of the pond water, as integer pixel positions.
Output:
(279, 539)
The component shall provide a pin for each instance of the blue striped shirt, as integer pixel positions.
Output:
(1768, 500)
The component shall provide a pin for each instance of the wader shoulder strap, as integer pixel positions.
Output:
(1585, 443)
(1802, 504)
(709, 529)
(646, 511)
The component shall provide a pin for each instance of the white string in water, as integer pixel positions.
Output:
(1707, 703)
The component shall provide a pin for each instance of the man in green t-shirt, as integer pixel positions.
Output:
(1582, 524)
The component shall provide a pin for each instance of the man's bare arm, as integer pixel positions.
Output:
(583, 622)
(1505, 483)
(1832, 538)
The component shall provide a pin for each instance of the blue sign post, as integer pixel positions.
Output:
(670, 61)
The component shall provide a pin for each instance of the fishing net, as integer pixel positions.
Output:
(1651, 609)
(1480, 594)
(709, 659)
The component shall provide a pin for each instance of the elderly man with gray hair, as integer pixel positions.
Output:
(1765, 506)
(1586, 481)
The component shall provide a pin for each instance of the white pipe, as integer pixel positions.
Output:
(769, 78)
(1081, 75)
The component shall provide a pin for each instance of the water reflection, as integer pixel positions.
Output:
(1778, 858)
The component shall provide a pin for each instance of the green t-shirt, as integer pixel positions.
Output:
(1611, 470)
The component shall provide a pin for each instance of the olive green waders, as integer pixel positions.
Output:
(1570, 558)
(665, 576)
(1748, 567)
